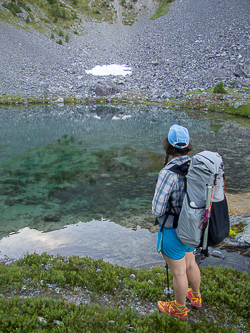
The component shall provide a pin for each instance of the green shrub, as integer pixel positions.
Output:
(24, 6)
(75, 32)
(59, 41)
(27, 20)
(219, 89)
(60, 33)
(13, 7)
(63, 14)
(52, 36)
(67, 38)
(51, 2)
(74, 15)
(57, 13)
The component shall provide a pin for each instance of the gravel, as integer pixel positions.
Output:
(196, 45)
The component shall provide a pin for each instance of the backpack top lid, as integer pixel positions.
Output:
(205, 168)
(208, 162)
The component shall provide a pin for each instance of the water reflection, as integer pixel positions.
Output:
(59, 165)
(102, 239)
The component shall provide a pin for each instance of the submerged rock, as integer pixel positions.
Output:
(51, 218)
(217, 254)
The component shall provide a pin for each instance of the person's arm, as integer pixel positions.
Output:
(163, 190)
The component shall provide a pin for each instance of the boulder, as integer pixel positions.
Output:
(106, 88)
(240, 72)
(246, 82)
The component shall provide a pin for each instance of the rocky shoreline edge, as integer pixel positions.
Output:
(236, 102)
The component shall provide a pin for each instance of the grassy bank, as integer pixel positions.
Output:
(234, 102)
(41, 293)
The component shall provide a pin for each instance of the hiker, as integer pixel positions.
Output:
(168, 197)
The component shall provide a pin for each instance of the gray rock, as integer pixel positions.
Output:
(240, 72)
(42, 321)
(165, 95)
(106, 88)
(245, 82)
(23, 15)
(168, 291)
(217, 254)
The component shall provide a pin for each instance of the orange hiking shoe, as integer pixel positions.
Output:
(195, 301)
(171, 308)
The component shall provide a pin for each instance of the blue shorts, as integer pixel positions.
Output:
(169, 243)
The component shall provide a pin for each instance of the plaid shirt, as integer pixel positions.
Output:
(169, 185)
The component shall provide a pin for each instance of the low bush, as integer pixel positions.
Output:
(219, 88)
(13, 7)
(225, 294)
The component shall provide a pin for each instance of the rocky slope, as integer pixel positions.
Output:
(194, 46)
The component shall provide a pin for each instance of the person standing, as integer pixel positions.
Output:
(168, 198)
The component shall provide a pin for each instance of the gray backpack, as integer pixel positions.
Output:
(206, 168)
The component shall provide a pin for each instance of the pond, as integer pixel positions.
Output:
(80, 179)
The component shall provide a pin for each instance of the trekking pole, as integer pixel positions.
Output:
(207, 214)
(168, 290)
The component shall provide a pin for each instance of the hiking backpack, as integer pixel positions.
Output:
(206, 168)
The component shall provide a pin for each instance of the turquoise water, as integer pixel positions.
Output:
(62, 165)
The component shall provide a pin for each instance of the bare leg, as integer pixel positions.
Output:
(193, 272)
(180, 280)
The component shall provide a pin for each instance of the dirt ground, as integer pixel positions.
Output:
(239, 204)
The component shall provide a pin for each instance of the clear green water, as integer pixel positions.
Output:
(62, 165)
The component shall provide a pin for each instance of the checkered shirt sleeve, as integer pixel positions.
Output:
(165, 184)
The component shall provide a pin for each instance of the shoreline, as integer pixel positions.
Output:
(239, 204)
(235, 103)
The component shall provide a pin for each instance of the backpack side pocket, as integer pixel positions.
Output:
(188, 229)
(219, 224)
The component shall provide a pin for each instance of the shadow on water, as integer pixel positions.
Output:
(62, 165)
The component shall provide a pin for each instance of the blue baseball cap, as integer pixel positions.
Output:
(178, 134)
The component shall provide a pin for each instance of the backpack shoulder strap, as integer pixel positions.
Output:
(180, 169)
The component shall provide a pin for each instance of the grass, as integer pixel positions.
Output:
(162, 9)
(33, 298)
